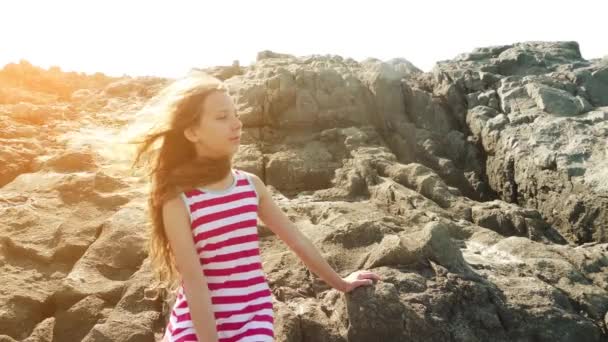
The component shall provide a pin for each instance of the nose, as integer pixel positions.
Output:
(237, 124)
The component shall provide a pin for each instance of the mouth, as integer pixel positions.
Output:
(235, 139)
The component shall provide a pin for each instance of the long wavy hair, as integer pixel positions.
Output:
(174, 166)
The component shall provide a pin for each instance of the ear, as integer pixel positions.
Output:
(190, 134)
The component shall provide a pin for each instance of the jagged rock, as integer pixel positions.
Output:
(478, 117)
(391, 251)
(250, 159)
(426, 112)
(103, 272)
(225, 72)
(72, 161)
(44, 331)
(539, 160)
(375, 313)
(17, 156)
(138, 86)
(432, 242)
(287, 323)
(267, 54)
(313, 317)
(74, 323)
(37, 114)
(510, 220)
(142, 313)
(311, 167)
(557, 101)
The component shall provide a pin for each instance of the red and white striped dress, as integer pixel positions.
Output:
(224, 228)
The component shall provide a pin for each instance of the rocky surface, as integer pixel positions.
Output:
(478, 191)
(540, 112)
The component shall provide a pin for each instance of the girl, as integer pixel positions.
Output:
(204, 223)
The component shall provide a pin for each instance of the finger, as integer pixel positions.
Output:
(369, 274)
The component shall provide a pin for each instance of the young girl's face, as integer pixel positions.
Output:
(218, 131)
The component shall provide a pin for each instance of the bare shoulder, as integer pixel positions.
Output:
(177, 228)
(174, 208)
(257, 182)
(252, 175)
(175, 219)
(259, 185)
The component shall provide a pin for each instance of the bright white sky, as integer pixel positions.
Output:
(167, 38)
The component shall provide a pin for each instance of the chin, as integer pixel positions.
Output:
(234, 150)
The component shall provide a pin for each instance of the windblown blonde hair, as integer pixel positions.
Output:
(174, 166)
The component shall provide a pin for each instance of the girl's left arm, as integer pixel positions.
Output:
(281, 225)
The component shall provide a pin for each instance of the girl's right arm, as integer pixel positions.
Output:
(177, 227)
